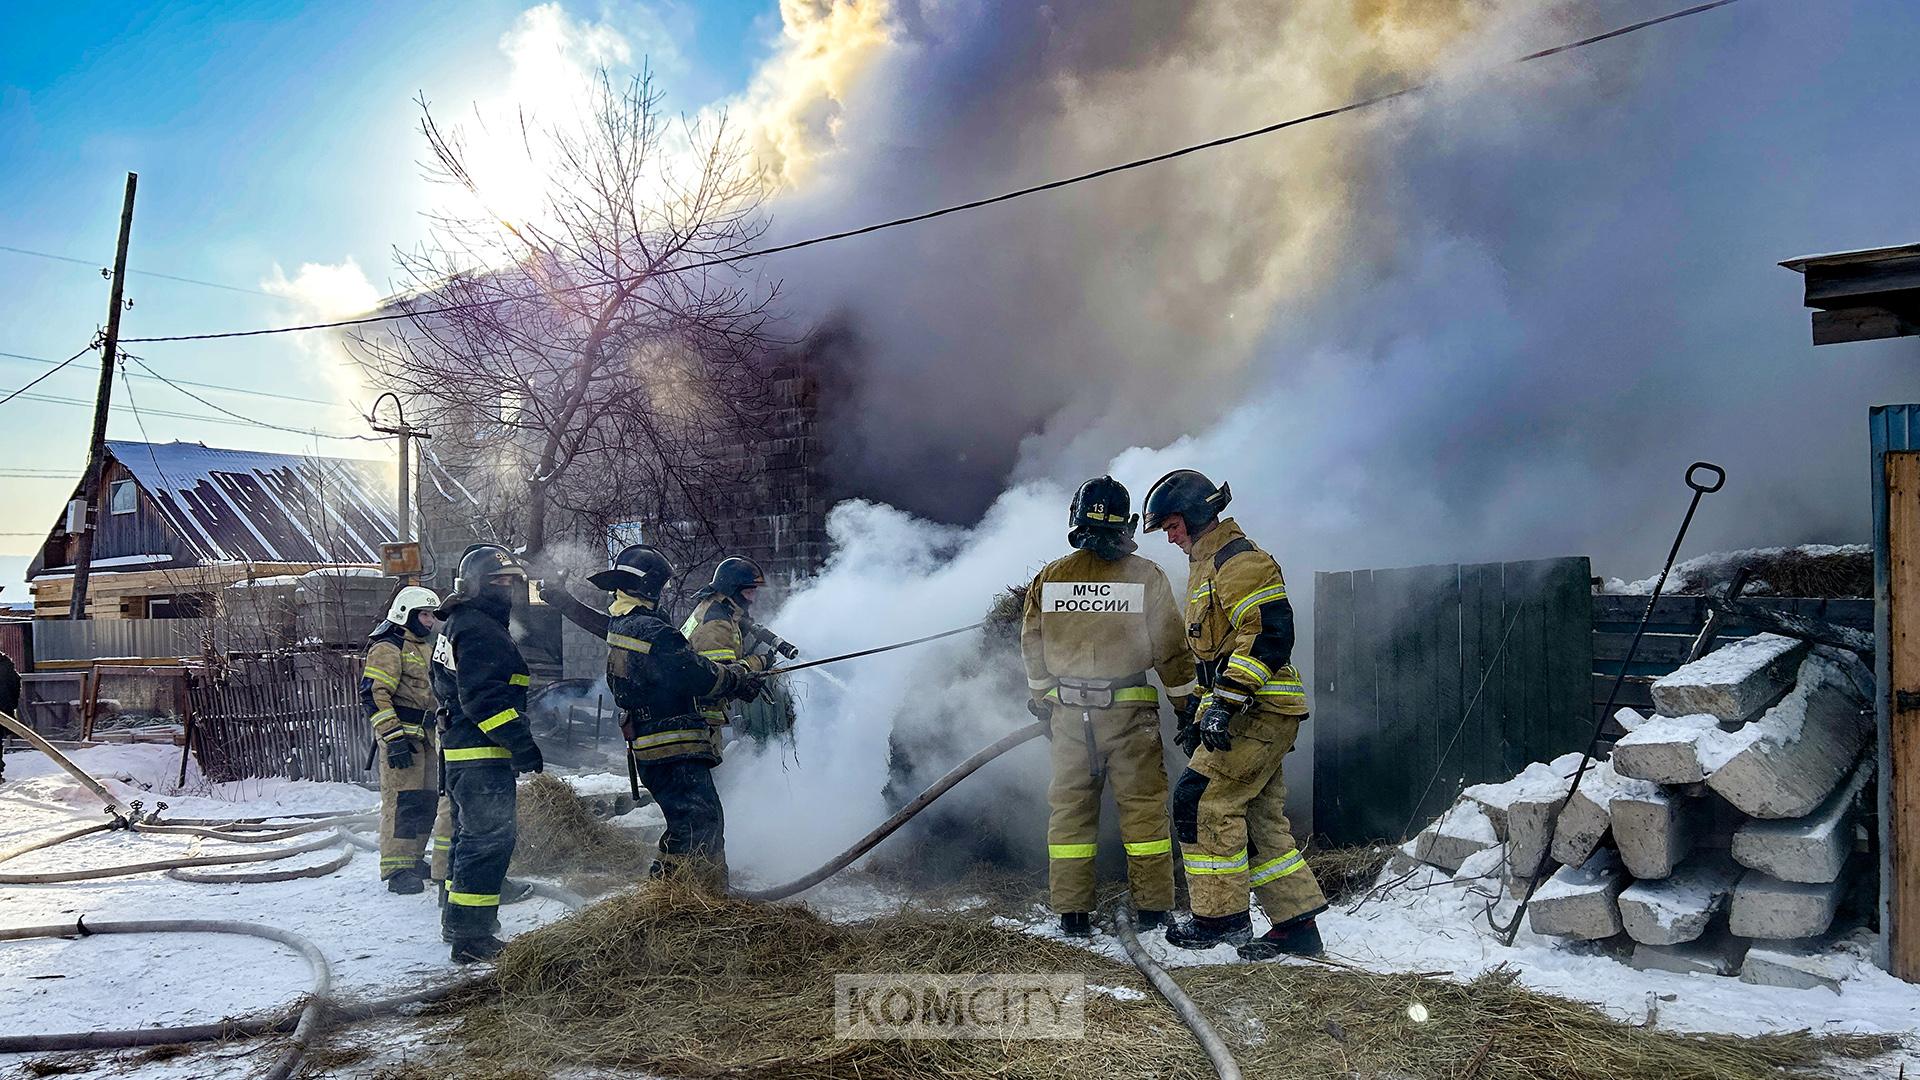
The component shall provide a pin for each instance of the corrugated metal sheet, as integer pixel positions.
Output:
(94, 639)
(242, 505)
(1890, 428)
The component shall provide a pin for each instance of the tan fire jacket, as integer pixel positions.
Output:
(717, 631)
(1088, 618)
(1240, 622)
(396, 674)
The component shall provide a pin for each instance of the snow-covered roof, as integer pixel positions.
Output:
(253, 506)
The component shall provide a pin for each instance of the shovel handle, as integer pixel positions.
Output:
(1719, 477)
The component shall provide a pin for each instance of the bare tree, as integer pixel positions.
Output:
(597, 364)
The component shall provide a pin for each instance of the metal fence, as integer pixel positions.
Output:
(91, 639)
(296, 715)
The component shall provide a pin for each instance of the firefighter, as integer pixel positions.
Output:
(481, 682)
(722, 630)
(1096, 623)
(1229, 804)
(659, 683)
(395, 693)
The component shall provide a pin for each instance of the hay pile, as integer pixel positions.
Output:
(670, 981)
(1346, 872)
(560, 837)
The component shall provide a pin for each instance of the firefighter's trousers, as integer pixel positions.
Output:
(695, 839)
(441, 862)
(1127, 745)
(410, 806)
(1229, 810)
(484, 802)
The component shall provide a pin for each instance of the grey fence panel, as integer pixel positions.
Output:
(1399, 655)
(94, 639)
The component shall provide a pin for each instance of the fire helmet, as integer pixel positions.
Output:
(639, 569)
(408, 600)
(1189, 494)
(736, 575)
(1100, 506)
(480, 564)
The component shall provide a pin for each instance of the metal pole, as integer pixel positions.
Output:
(406, 472)
(97, 448)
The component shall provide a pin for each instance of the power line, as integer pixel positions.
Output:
(45, 375)
(143, 273)
(243, 418)
(1052, 185)
(202, 385)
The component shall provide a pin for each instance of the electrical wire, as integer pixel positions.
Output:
(202, 385)
(1052, 185)
(144, 273)
(243, 418)
(45, 375)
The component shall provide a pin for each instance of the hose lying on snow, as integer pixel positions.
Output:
(1203, 1032)
(55, 877)
(888, 827)
(305, 1027)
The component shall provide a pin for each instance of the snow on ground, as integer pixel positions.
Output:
(378, 943)
(1431, 924)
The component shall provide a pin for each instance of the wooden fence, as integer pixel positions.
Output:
(1399, 655)
(1676, 621)
(296, 715)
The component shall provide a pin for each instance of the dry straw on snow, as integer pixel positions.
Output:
(667, 980)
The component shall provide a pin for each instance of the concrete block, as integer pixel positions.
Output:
(1734, 682)
(1663, 749)
(1713, 954)
(1482, 866)
(1537, 779)
(1629, 719)
(1530, 823)
(1581, 901)
(1785, 764)
(1654, 830)
(1678, 908)
(1798, 966)
(1585, 821)
(1462, 831)
(1773, 910)
(1811, 849)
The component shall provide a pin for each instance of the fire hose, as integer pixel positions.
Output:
(1203, 1031)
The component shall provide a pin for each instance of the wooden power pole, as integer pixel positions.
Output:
(97, 449)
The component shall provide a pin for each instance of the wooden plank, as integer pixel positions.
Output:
(1831, 288)
(1865, 323)
(1483, 624)
(1903, 653)
(1666, 649)
(1636, 692)
(1615, 608)
(1568, 637)
(1433, 619)
(1332, 723)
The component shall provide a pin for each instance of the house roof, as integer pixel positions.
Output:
(245, 505)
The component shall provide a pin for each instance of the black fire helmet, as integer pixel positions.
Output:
(639, 569)
(1189, 494)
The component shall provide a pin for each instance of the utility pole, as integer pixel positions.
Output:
(97, 449)
(400, 428)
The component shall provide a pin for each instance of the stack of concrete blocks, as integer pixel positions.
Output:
(1718, 836)
(340, 605)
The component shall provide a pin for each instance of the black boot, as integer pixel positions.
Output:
(1204, 932)
(470, 950)
(406, 882)
(1148, 919)
(1076, 924)
(1301, 937)
(512, 892)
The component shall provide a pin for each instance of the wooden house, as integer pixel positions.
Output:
(180, 521)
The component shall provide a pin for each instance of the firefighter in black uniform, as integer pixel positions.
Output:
(659, 682)
(481, 683)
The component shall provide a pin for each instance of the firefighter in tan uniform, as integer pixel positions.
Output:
(1096, 623)
(1229, 804)
(398, 701)
(722, 629)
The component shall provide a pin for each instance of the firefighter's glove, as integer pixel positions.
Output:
(747, 684)
(1187, 737)
(1212, 727)
(1042, 710)
(400, 753)
(1184, 708)
(529, 760)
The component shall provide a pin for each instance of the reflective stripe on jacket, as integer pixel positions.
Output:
(1240, 622)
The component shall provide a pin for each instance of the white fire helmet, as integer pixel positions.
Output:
(409, 600)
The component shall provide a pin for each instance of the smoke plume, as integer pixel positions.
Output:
(1493, 322)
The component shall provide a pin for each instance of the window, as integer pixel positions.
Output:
(123, 497)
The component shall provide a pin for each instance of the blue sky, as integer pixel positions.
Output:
(265, 135)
